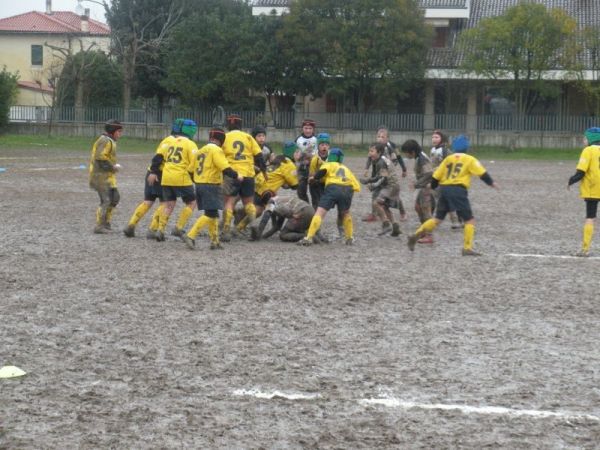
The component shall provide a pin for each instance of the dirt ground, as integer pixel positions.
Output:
(130, 343)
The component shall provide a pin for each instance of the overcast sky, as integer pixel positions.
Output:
(13, 7)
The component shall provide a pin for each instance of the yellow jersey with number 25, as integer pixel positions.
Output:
(179, 162)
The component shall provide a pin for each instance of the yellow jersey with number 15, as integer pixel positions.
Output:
(179, 162)
(210, 164)
(339, 174)
(240, 148)
(589, 162)
(456, 170)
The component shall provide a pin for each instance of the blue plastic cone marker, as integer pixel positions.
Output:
(2, 169)
(11, 372)
(82, 166)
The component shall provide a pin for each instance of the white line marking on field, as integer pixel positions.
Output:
(533, 255)
(275, 394)
(395, 403)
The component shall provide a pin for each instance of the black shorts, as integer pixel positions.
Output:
(186, 193)
(453, 198)
(591, 208)
(209, 197)
(233, 188)
(336, 194)
(153, 192)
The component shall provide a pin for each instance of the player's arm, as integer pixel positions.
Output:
(579, 174)
(320, 174)
(221, 163)
(487, 179)
(423, 180)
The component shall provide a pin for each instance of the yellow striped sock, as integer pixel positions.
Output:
(139, 212)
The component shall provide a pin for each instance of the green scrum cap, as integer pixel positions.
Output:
(592, 135)
(289, 148)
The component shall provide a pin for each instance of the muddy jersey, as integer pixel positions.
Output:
(240, 148)
(179, 163)
(423, 171)
(210, 164)
(457, 169)
(438, 154)
(589, 162)
(103, 159)
(336, 173)
(278, 175)
(384, 168)
(290, 207)
(307, 145)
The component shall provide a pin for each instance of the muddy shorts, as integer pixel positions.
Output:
(336, 194)
(209, 197)
(186, 193)
(233, 188)
(453, 198)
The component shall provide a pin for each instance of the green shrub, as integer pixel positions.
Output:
(8, 94)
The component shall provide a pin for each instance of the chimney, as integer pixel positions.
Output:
(85, 24)
(48, 7)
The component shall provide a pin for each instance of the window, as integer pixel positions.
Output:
(440, 39)
(37, 55)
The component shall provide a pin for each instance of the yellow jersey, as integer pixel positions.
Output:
(210, 164)
(315, 164)
(589, 162)
(284, 173)
(456, 170)
(339, 174)
(104, 149)
(179, 162)
(240, 148)
(162, 149)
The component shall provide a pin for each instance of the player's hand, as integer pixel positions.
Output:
(370, 187)
(495, 186)
(152, 178)
(404, 173)
(364, 180)
(366, 174)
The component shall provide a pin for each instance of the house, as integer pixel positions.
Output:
(29, 43)
(449, 92)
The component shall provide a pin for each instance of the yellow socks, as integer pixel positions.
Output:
(469, 233)
(155, 218)
(315, 224)
(426, 227)
(162, 220)
(348, 226)
(99, 216)
(588, 232)
(203, 221)
(227, 217)
(213, 230)
(109, 213)
(139, 212)
(250, 211)
(184, 216)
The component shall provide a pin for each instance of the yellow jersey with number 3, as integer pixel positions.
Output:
(456, 170)
(589, 162)
(339, 174)
(240, 148)
(210, 164)
(179, 162)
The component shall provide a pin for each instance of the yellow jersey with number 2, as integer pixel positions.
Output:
(240, 148)
(456, 170)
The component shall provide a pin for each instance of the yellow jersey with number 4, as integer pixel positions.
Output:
(339, 174)
(210, 164)
(240, 148)
(456, 170)
(179, 162)
(589, 162)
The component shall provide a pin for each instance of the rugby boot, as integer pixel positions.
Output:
(427, 239)
(253, 233)
(226, 236)
(386, 228)
(129, 231)
(582, 253)
(101, 229)
(396, 229)
(178, 232)
(188, 241)
(160, 236)
(322, 238)
(412, 241)
(151, 234)
(369, 218)
(216, 246)
(403, 217)
(305, 242)
(470, 252)
(349, 241)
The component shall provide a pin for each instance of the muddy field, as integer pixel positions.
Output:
(130, 343)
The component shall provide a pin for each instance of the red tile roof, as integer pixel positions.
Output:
(59, 22)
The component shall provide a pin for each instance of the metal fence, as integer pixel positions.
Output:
(325, 121)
